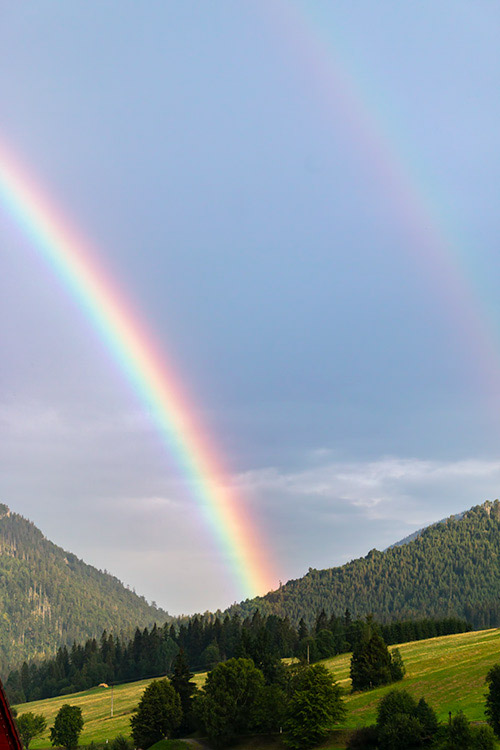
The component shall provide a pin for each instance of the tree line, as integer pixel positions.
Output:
(206, 641)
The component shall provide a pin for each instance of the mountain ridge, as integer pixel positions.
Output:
(448, 568)
(49, 597)
(418, 532)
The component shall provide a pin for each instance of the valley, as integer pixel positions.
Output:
(449, 671)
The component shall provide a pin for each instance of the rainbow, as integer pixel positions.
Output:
(315, 50)
(140, 359)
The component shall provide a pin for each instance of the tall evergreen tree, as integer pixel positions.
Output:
(371, 661)
(321, 622)
(492, 709)
(303, 630)
(181, 681)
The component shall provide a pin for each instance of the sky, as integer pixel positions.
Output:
(300, 201)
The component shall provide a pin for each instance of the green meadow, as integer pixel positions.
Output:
(449, 671)
(96, 710)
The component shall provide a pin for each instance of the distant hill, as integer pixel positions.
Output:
(449, 568)
(48, 597)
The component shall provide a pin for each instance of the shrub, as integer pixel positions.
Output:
(402, 731)
(122, 743)
(483, 738)
(363, 739)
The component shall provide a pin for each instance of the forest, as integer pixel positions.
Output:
(449, 569)
(205, 641)
(49, 597)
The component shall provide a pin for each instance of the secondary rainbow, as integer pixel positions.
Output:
(140, 359)
(315, 49)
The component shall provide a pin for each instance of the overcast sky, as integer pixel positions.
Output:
(301, 199)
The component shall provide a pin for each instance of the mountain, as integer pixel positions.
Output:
(449, 568)
(417, 533)
(48, 597)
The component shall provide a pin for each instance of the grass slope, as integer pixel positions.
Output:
(449, 671)
(96, 710)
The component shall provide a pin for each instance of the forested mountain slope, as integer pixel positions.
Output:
(450, 568)
(48, 597)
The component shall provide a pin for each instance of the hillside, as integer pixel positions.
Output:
(96, 709)
(450, 568)
(449, 671)
(48, 597)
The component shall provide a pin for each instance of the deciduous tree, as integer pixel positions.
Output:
(67, 728)
(229, 702)
(314, 708)
(158, 714)
(30, 725)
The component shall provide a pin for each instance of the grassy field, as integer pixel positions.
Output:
(449, 671)
(96, 711)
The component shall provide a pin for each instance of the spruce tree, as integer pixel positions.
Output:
(321, 621)
(492, 709)
(371, 661)
(303, 631)
(397, 666)
(181, 682)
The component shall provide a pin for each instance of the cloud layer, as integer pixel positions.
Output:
(101, 486)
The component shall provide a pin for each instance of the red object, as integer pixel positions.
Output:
(9, 737)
